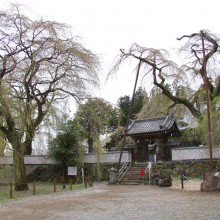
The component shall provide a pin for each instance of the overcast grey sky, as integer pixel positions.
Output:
(106, 26)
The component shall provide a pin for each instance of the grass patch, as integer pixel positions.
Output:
(40, 188)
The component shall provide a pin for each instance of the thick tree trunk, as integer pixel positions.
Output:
(2, 144)
(28, 141)
(2, 147)
(19, 168)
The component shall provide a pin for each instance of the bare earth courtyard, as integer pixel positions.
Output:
(118, 202)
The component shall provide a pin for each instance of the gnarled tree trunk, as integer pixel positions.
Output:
(15, 137)
(19, 168)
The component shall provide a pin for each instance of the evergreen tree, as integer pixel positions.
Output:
(66, 148)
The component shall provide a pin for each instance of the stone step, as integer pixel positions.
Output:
(132, 174)
(133, 171)
(129, 182)
(140, 165)
(136, 169)
(132, 177)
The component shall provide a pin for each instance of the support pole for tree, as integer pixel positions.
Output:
(129, 113)
(34, 187)
(10, 190)
(55, 185)
(71, 184)
(205, 79)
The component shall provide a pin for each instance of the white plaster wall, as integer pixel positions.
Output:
(194, 153)
(35, 160)
(109, 157)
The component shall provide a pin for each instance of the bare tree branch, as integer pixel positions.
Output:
(163, 70)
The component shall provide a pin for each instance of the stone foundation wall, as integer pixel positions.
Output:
(192, 168)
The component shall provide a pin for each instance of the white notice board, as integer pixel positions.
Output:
(72, 171)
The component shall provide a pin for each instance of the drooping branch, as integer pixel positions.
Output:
(155, 63)
(176, 99)
(42, 63)
(212, 49)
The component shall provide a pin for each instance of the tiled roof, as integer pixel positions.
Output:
(160, 125)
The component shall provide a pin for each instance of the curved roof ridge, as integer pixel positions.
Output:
(151, 119)
(168, 120)
(131, 123)
(159, 125)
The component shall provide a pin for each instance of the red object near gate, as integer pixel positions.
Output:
(142, 173)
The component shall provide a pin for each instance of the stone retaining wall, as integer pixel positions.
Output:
(192, 168)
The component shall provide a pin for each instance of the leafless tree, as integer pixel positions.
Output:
(41, 63)
(176, 81)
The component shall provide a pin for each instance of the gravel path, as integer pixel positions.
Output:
(118, 202)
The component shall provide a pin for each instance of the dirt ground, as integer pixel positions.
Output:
(119, 202)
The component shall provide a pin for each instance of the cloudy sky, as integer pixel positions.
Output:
(106, 26)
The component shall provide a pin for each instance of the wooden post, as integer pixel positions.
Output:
(85, 181)
(55, 185)
(34, 188)
(182, 178)
(182, 186)
(71, 184)
(10, 190)
(205, 79)
(91, 181)
(88, 180)
(129, 113)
